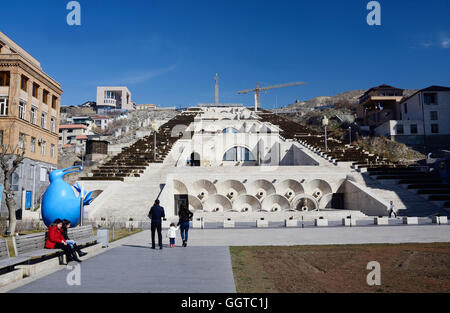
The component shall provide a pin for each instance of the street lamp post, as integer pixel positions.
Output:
(325, 124)
(350, 133)
(81, 204)
(155, 130)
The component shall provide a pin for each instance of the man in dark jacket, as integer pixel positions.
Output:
(156, 214)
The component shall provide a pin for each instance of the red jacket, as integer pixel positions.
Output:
(54, 235)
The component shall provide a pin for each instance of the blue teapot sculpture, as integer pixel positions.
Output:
(60, 200)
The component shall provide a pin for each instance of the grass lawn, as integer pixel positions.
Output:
(341, 268)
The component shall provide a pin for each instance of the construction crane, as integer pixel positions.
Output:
(258, 90)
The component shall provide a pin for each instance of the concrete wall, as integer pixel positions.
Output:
(356, 197)
(292, 154)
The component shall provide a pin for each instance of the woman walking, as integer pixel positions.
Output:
(185, 216)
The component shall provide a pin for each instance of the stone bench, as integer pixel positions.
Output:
(262, 223)
(8, 272)
(291, 223)
(320, 222)
(381, 220)
(228, 223)
(197, 223)
(440, 220)
(349, 221)
(410, 220)
(41, 259)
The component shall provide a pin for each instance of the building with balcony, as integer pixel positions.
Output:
(70, 134)
(114, 98)
(29, 119)
(423, 119)
(378, 105)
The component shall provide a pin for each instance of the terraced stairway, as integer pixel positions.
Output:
(428, 185)
(337, 150)
(133, 160)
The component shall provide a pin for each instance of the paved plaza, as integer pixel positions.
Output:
(129, 265)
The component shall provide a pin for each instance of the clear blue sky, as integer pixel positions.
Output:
(167, 52)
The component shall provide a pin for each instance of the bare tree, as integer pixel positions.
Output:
(9, 162)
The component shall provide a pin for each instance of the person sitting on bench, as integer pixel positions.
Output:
(55, 240)
(71, 243)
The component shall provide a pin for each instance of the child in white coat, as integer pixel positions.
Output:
(172, 234)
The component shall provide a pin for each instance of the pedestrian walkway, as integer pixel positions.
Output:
(129, 265)
(310, 235)
(137, 268)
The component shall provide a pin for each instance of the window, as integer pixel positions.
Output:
(45, 96)
(24, 83)
(43, 148)
(22, 109)
(54, 101)
(399, 129)
(435, 128)
(230, 130)
(405, 108)
(230, 155)
(429, 98)
(44, 120)
(33, 144)
(4, 78)
(35, 90)
(110, 95)
(15, 182)
(53, 124)
(413, 128)
(433, 115)
(246, 155)
(1, 137)
(43, 174)
(33, 116)
(52, 151)
(238, 154)
(21, 140)
(3, 106)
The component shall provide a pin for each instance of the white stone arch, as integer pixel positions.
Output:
(238, 157)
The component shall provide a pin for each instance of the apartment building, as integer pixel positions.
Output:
(145, 107)
(102, 122)
(114, 98)
(29, 119)
(378, 105)
(70, 134)
(423, 119)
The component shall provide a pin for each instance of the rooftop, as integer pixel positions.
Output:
(73, 126)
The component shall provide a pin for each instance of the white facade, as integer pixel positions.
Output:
(228, 163)
(425, 113)
(420, 107)
(114, 98)
(102, 122)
